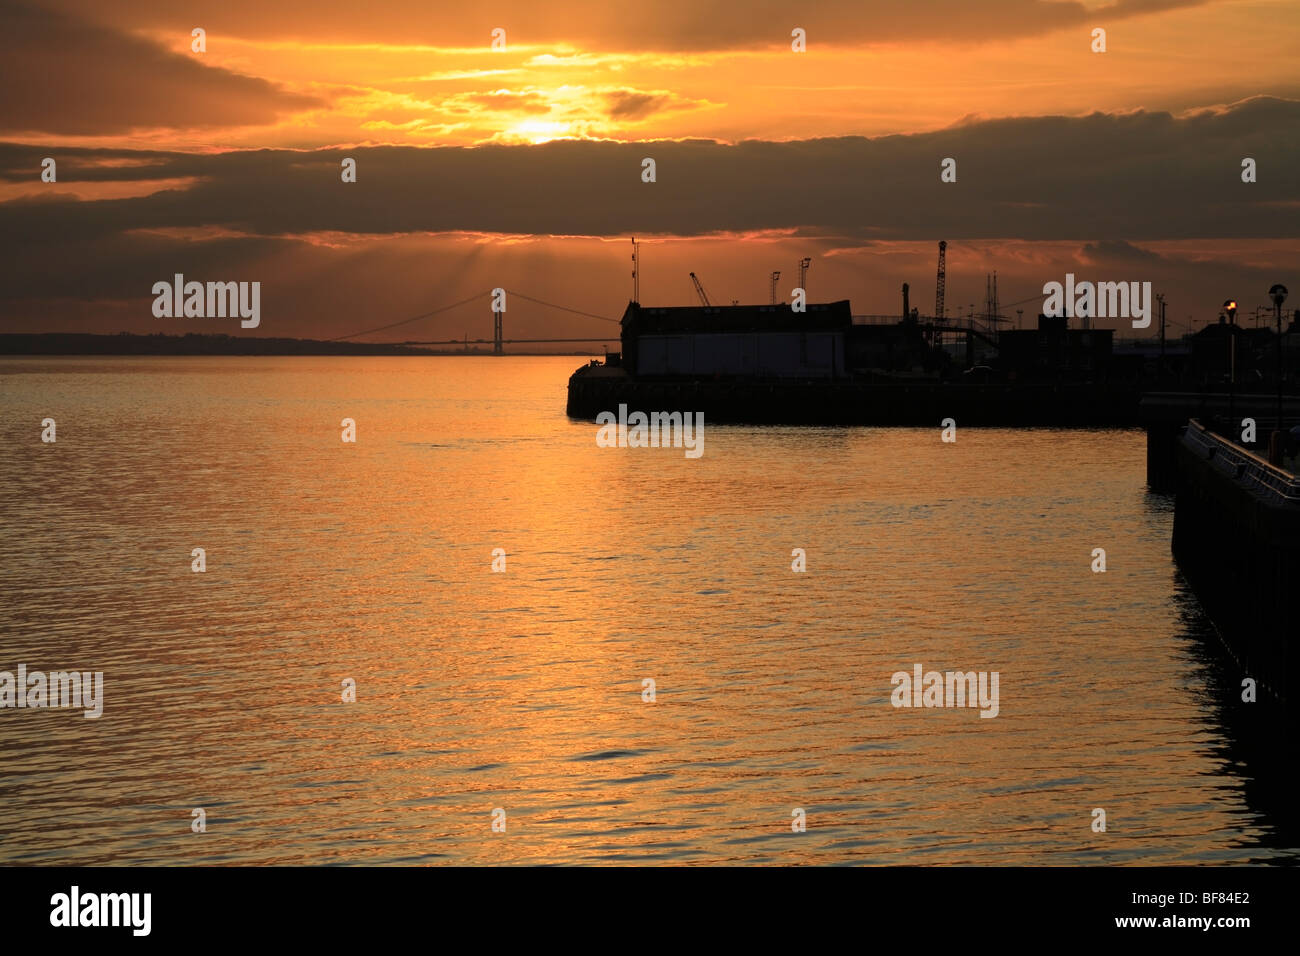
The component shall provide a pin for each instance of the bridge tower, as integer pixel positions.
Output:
(496, 334)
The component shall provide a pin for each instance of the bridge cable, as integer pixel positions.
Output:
(456, 305)
(564, 308)
(414, 318)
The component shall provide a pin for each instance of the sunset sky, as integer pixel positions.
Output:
(521, 167)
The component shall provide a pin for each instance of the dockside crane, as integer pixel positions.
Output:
(939, 279)
(699, 290)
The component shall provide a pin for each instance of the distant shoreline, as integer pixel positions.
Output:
(128, 343)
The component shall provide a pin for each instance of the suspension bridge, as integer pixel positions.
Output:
(984, 327)
(498, 340)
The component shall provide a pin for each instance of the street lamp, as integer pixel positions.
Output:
(1230, 309)
(1278, 295)
(1160, 301)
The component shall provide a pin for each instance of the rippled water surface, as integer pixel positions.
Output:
(523, 690)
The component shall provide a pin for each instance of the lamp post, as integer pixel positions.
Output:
(1160, 300)
(1278, 294)
(1230, 310)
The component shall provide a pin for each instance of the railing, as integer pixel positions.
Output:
(1242, 464)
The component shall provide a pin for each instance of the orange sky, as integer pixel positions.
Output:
(393, 82)
(328, 78)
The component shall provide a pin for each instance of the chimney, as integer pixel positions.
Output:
(906, 311)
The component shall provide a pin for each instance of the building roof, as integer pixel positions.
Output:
(658, 320)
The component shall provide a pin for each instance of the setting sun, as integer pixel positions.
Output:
(537, 131)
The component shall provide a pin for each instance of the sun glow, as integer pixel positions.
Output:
(539, 131)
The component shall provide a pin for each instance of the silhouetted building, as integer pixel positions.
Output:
(894, 347)
(1212, 357)
(1056, 351)
(751, 341)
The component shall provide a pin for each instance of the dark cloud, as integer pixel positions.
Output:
(71, 77)
(632, 104)
(1118, 252)
(660, 25)
(1118, 177)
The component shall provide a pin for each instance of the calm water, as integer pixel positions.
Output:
(523, 690)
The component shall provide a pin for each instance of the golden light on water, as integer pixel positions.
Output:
(523, 689)
(378, 171)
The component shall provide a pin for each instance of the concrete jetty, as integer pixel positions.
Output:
(1237, 539)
